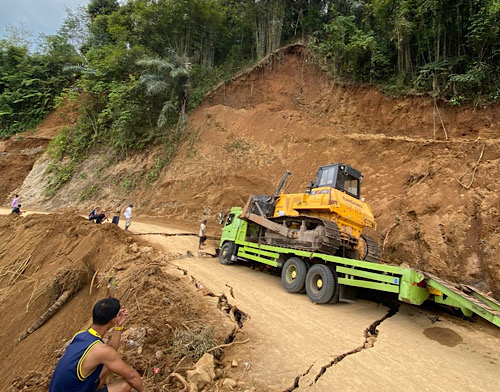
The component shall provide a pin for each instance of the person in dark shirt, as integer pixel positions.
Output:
(16, 210)
(88, 361)
(116, 214)
(101, 217)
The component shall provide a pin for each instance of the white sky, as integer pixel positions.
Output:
(38, 16)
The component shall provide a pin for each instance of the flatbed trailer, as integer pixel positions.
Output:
(411, 285)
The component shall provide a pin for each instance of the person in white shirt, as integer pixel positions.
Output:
(128, 216)
(203, 235)
(15, 203)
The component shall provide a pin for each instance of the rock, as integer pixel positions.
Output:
(147, 249)
(370, 342)
(203, 373)
(229, 383)
(135, 334)
(234, 363)
(133, 248)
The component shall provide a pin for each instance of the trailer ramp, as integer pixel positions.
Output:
(468, 299)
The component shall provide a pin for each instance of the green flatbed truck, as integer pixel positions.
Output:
(329, 279)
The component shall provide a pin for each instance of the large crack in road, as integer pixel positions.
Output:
(235, 314)
(370, 337)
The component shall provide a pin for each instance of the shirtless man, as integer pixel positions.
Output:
(88, 361)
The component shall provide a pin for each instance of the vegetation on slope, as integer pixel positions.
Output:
(137, 68)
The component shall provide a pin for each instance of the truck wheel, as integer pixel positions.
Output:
(293, 275)
(226, 252)
(321, 284)
(336, 294)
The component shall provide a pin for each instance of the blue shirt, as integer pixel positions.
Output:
(68, 375)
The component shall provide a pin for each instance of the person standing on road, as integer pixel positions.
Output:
(116, 214)
(128, 216)
(88, 361)
(203, 234)
(15, 202)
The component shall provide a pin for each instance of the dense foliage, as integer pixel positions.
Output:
(138, 66)
(29, 83)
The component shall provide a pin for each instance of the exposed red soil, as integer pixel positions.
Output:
(39, 256)
(287, 114)
(19, 153)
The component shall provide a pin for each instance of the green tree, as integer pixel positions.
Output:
(168, 80)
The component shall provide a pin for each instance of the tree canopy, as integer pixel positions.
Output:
(117, 55)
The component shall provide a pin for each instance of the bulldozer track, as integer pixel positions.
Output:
(374, 252)
(332, 239)
(330, 244)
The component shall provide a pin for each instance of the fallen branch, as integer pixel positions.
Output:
(179, 363)
(441, 119)
(226, 345)
(386, 237)
(19, 271)
(47, 315)
(473, 171)
(92, 282)
(32, 293)
(181, 379)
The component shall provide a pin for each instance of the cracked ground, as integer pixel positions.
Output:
(295, 345)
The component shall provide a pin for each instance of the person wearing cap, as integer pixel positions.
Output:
(101, 217)
(88, 361)
(128, 216)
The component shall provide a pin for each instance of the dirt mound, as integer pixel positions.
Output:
(45, 256)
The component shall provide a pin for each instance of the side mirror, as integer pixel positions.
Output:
(220, 218)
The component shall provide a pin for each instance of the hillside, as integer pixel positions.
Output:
(432, 186)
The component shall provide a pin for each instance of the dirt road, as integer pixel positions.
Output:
(295, 345)
(291, 337)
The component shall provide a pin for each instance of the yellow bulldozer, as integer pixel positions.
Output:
(329, 217)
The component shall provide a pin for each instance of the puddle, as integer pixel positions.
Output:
(444, 336)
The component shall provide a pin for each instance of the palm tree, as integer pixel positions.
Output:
(168, 79)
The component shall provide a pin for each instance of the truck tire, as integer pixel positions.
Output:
(293, 275)
(321, 284)
(336, 294)
(226, 252)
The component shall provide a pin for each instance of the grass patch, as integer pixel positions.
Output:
(238, 145)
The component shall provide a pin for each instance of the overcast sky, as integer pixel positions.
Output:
(39, 16)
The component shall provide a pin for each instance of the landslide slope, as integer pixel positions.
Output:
(431, 171)
(433, 187)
